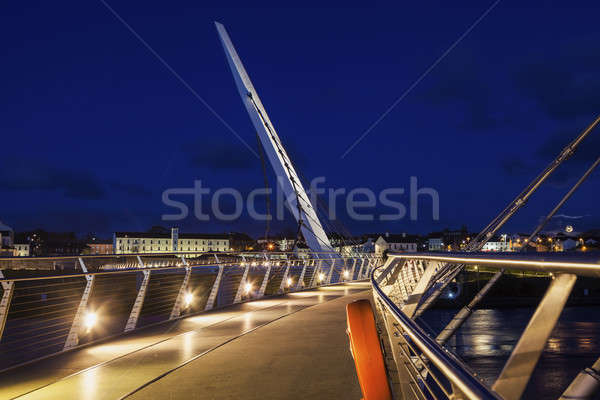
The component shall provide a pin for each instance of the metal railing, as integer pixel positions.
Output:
(91, 298)
(422, 368)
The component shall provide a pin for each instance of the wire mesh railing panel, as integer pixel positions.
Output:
(229, 286)
(163, 289)
(200, 285)
(309, 274)
(111, 299)
(39, 318)
(255, 278)
(275, 279)
(293, 277)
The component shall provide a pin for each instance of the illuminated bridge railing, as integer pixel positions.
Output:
(50, 305)
(418, 364)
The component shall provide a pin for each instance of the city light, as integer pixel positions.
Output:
(289, 281)
(248, 288)
(90, 320)
(270, 246)
(189, 297)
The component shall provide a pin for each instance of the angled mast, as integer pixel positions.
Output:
(300, 206)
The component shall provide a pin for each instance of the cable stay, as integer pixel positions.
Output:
(449, 271)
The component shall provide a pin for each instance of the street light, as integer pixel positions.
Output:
(90, 320)
(189, 297)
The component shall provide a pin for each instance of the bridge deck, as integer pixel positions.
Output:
(292, 346)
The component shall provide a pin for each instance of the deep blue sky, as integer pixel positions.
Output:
(94, 127)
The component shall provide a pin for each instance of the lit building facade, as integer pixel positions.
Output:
(400, 243)
(22, 250)
(100, 248)
(149, 242)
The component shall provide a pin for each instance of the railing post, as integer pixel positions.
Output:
(520, 365)
(139, 302)
(438, 287)
(176, 311)
(316, 272)
(415, 297)
(300, 283)
(212, 297)
(263, 285)
(331, 269)
(353, 268)
(360, 271)
(238, 295)
(73, 336)
(284, 279)
(467, 310)
(8, 289)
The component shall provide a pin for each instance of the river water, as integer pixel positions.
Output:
(486, 339)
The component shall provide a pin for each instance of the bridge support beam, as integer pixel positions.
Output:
(467, 310)
(240, 291)
(410, 306)
(518, 369)
(585, 386)
(360, 271)
(139, 302)
(353, 269)
(73, 336)
(212, 297)
(176, 311)
(285, 276)
(300, 285)
(438, 289)
(263, 285)
(331, 268)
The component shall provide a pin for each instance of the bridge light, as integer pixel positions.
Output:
(321, 276)
(90, 320)
(189, 297)
(290, 281)
(346, 274)
(248, 288)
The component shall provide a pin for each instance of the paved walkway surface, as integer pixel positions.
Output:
(287, 347)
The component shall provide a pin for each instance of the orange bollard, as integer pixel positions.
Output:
(366, 351)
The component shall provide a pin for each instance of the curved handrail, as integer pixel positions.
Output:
(585, 265)
(454, 370)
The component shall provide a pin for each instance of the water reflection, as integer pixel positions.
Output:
(486, 340)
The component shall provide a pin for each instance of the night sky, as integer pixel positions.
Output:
(95, 128)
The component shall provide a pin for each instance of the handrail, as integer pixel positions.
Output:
(544, 262)
(162, 254)
(454, 370)
(213, 263)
